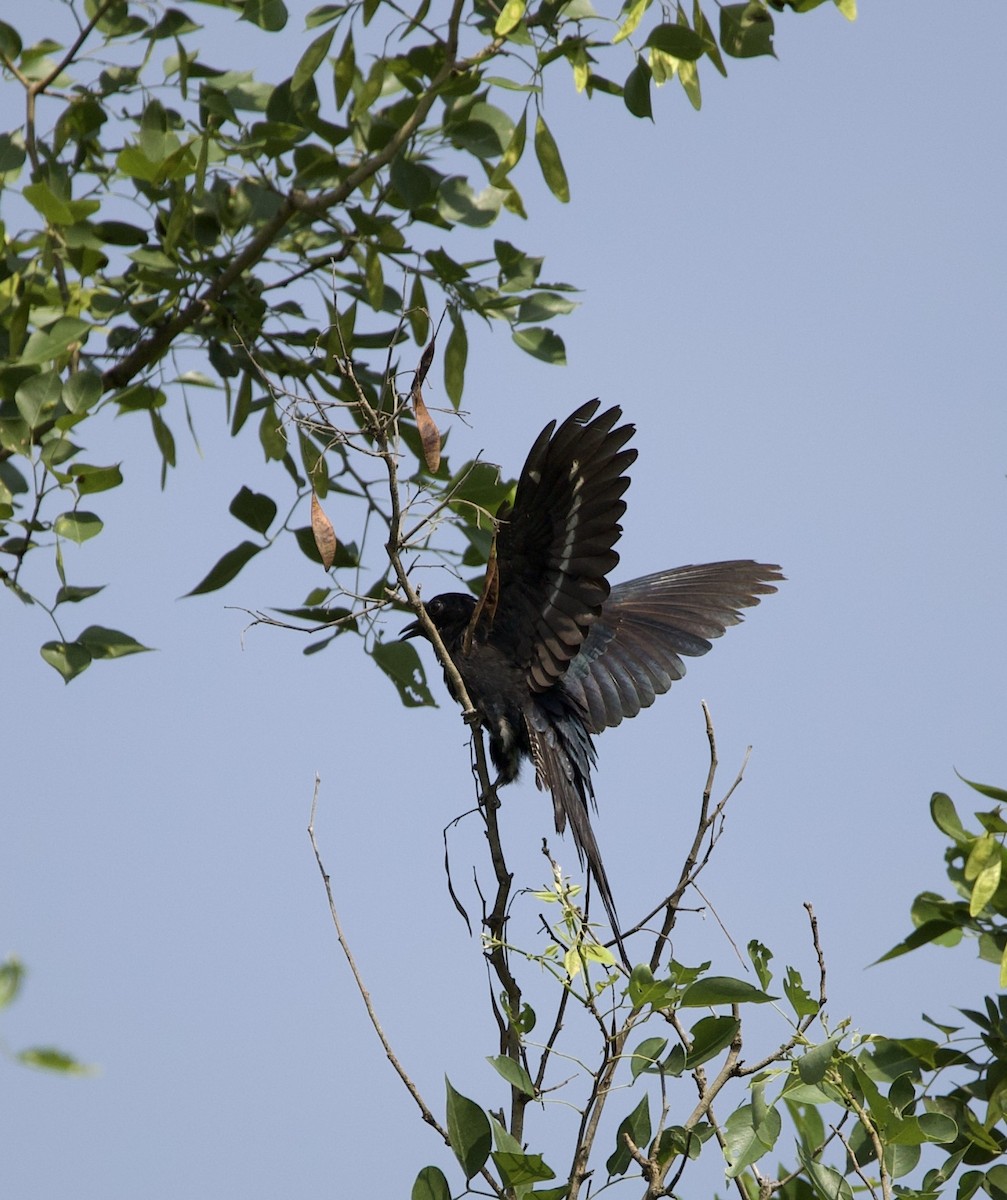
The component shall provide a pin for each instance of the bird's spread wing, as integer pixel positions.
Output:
(633, 651)
(554, 547)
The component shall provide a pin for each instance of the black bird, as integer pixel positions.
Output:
(552, 654)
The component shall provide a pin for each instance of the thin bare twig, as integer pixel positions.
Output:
(365, 995)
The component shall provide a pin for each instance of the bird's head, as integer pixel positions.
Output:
(450, 612)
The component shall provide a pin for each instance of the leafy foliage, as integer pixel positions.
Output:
(173, 226)
(914, 1116)
(46, 1058)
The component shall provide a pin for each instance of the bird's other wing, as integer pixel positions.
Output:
(554, 546)
(633, 651)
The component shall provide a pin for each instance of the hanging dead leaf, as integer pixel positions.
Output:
(428, 431)
(486, 606)
(325, 535)
(426, 358)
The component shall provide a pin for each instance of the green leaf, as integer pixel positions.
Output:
(468, 1131)
(271, 436)
(703, 28)
(120, 233)
(323, 14)
(455, 356)
(431, 1184)
(746, 1141)
(984, 851)
(986, 884)
(132, 161)
(746, 30)
(513, 1072)
(636, 91)
(801, 1001)
(688, 77)
(270, 15)
(944, 816)
(254, 509)
(402, 665)
(415, 182)
(637, 1125)
(520, 1170)
(938, 1127)
(311, 60)
(502, 1140)
(678, 40)
(541, 343)
(550, 162)
(77, 526)
(37, 397)
(45, 346)
(511, 15)
(419, 312)
(485, 132)
(90, 479)
(56, 451)
(722, 989)
(518, 270)
(646, 1055)
(994, 793)
(992, 821)
(11, 978)
(996, 1181)
(633, 18)
(540, 306)
(709, 1036)
(10, 41)
(374, 279)
(109, 643)
(82, 391)
(459, 204)
(344, 70)
(812, 1066)
(828, 1184)
(69, 658)
(47, 1058)
(68, 594)
(512, 155)
(640, 980)
(45, 201)
(760, 958)
(226, 568)
(929, 931)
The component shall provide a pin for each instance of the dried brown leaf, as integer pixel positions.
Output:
(428, 431)
(325, 535)
(426, 359)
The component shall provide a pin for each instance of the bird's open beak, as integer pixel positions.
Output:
(413, 629)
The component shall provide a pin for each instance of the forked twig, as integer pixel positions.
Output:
(365, 995)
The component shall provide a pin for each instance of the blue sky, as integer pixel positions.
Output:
(798, 297)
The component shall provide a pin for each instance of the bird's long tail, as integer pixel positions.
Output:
(562, 753)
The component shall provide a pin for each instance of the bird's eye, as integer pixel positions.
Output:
(434, 607)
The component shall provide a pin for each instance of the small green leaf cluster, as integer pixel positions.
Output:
(46, 1058)
(975, 867)
(911, 1116)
